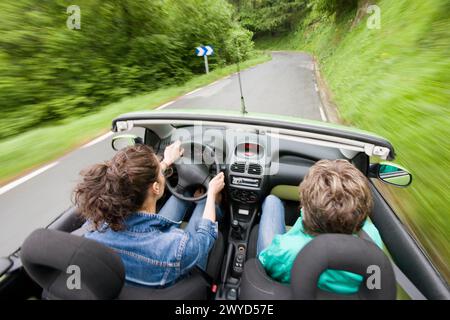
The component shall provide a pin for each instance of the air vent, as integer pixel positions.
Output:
(254, 168)
(238, 167)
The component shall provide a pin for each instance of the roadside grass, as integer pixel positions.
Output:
(395, 82)
(24, 152)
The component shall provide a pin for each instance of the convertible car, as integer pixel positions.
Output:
(260, 155)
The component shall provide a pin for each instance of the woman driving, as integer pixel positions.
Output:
(118, 199)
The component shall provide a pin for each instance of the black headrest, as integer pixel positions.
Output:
(342, 252)
(48, 254)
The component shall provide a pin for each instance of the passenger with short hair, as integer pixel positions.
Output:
(335, 198)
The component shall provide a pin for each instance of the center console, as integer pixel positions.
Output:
(246, 183)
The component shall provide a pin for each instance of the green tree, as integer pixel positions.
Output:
(124, 47)
(269, 16)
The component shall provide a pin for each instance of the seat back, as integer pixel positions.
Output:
(348, 253)
(327, 251)
(257, 285)
(192, 287)
(59, 262)
(47, 254)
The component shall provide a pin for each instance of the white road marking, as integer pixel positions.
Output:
(192, 92)
(17, 182)
(322, 114)
(211, 84)
(37, 172)
(99, 139)
(165, 105)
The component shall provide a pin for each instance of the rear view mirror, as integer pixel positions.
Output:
(392, 173)
(124, 140)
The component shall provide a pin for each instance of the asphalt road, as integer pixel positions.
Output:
(285, 85)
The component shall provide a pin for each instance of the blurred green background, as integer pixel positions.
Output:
(394, 81)
(131, 54)
(49, 72)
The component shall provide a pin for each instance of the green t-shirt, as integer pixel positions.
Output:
(278, 259)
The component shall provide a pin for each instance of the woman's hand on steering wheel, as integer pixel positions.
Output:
(216, 185)
(192, 173)
(172, 153)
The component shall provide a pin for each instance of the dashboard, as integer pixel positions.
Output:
(253, 161)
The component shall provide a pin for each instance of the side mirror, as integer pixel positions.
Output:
(391, 173)
(124, 140)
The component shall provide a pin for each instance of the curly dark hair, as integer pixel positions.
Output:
(112, 190)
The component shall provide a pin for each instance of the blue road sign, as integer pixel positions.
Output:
(204, 51)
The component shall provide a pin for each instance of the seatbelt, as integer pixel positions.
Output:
(211, 286)
(209, 280)
(204, 275)
(400, 277)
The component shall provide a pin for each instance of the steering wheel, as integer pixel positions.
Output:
(191, 174)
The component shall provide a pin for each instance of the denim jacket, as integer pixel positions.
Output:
(155, 251)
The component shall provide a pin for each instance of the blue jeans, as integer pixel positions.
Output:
(272, 222)
(175, 209)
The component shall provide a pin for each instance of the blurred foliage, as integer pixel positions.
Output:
(124, 47)
(335, 7)
(43, 144)
(274, 17)
(269, 16)
(394, 81)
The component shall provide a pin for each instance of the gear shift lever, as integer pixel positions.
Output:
(236, 229)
